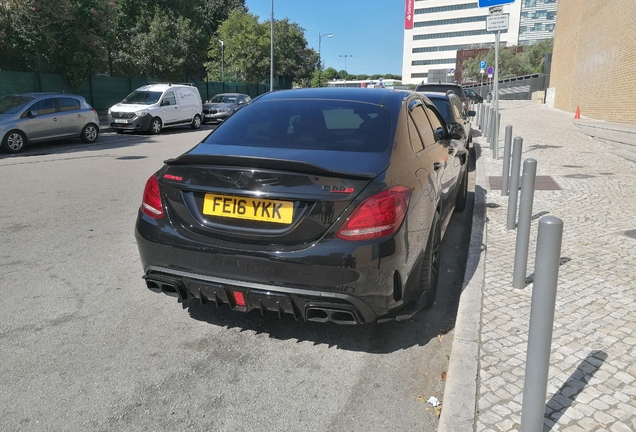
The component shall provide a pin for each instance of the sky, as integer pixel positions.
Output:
(370, 32)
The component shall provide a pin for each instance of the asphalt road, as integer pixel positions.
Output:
(84, 346)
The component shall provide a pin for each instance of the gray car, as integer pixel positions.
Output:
(31, 117)
(222, 105)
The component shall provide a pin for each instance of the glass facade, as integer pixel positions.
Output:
(538, 18)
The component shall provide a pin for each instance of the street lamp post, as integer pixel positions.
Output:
(320, 36)
(222, 64)
(271, 54)
(345, 57)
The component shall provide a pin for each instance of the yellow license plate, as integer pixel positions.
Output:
(248, 208)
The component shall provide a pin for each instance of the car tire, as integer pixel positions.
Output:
(14, 141)
(429, 276)
(196, 122)
(155, 126)
(90, 133)
(462, 195)
(119, 131)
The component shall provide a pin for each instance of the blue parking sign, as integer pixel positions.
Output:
(482, 64)
(489, 3)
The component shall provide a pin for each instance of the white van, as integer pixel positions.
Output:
(155, 106)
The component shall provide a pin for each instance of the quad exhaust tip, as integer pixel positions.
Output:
(336, 316)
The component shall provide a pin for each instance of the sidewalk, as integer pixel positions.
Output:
(592, 378)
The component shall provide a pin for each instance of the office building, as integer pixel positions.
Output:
(435, 30)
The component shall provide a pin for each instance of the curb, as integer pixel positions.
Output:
(460, 394)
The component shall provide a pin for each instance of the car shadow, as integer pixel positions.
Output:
(383, 338)
(107, 140)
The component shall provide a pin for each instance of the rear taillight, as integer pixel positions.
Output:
(94, 112)
(151, 203)
(377, 216)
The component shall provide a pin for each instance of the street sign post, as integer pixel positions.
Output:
(497, 22)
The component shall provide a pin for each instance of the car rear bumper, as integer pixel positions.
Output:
(347, 284)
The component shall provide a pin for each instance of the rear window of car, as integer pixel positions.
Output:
(307, 124)
(441, 88)
(443, 106)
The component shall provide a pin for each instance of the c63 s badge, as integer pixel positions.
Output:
(338, 189)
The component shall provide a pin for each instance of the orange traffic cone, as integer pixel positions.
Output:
(577, 114)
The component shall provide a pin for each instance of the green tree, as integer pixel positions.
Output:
(511, 62)
(58, 36)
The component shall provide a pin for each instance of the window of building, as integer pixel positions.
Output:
(541, 13)
(538, 27)
(522, 29)
(549, 27)
(450, 21)
(452, 47)
(419, 75)
(432, 62)
(530, 3)
(453, 34)
(445, 8)
(551, 15)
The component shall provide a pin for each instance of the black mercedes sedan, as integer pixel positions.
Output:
(326, 204)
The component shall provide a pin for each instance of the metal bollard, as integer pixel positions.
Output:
(484, 128)
(491, 127)
(514, 183)
(505, 175)
(480, 109)
(488, 129)
(546, 275)
(525, 219)
(496, 149)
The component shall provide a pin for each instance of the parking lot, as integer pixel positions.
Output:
(86, 346)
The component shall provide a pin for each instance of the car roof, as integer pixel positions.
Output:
(42, 94)
(230, 94)
(373, 96)
(163, 87)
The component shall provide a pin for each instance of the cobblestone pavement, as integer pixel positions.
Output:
(592, 377)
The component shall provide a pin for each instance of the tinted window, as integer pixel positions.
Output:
(45, 106)
(68, 104)
(307, 124)
(423, 125)
(458, 109)
(436, 123)
(224, 99)
(142, 97)
(169, 99)
(443, 106)
(13, 104)
(441, 88)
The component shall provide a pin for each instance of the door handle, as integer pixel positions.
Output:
(79, 115)
(54, 119)
(437, 165)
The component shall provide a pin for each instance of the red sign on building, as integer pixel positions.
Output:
(408, 17)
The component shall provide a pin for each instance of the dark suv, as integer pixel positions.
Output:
(444, 88)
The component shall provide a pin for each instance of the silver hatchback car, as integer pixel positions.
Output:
(31, 117)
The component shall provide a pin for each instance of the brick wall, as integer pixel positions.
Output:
(594, 58)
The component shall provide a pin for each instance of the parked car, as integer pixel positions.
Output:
(327, 204)
(32, 117)
(222, 105)
(154, 107)
(458, 122)
(473, 95)
(444, 88)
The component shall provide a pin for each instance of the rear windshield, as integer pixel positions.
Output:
(13, 104)
(443, 106)
(143, 97)
(441, 88)
(307, 124)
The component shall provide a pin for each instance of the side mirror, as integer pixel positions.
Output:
(472, 113)
(165, 102)
(456, 131)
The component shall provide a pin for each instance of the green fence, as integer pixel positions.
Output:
(104, 92)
